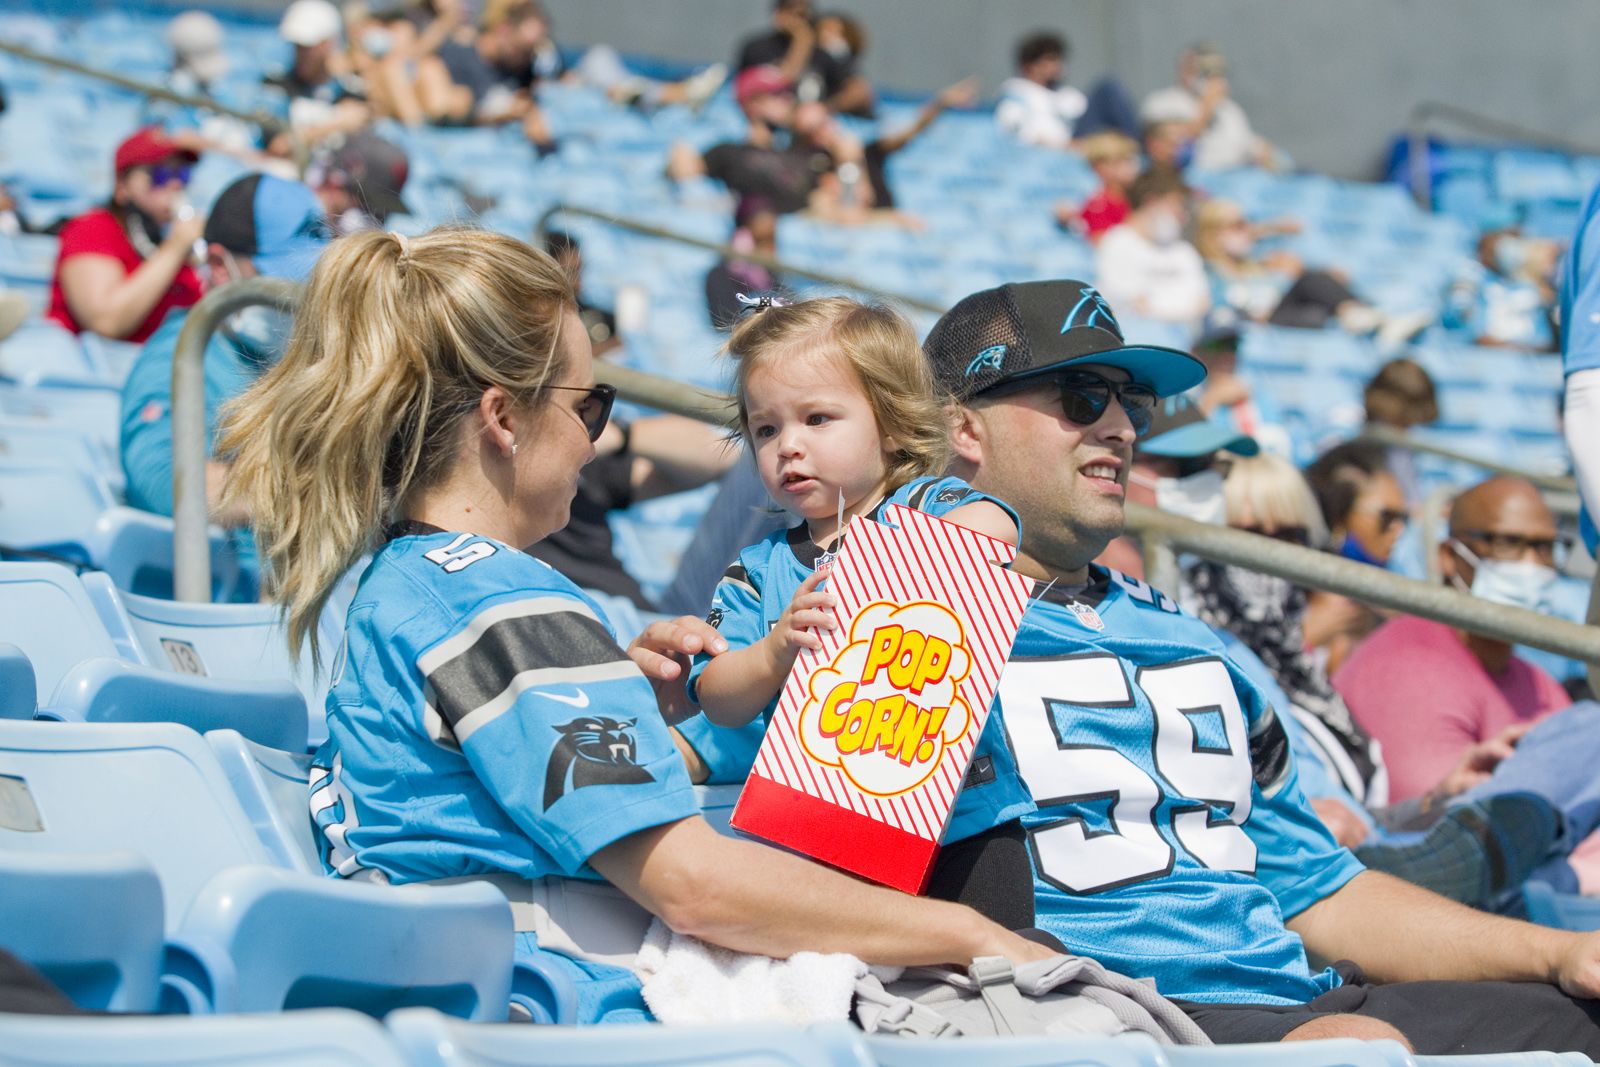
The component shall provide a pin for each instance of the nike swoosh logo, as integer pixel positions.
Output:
(578, 700)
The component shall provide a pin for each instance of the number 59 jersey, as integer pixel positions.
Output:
(1171, 837)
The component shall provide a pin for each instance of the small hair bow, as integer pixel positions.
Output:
(762, 302)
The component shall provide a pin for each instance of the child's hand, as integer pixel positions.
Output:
(811, 609)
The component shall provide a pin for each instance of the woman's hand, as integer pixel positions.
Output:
(662, 652)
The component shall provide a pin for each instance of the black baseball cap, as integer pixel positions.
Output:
(1025, 330)
(374, 170)
(1180, 430)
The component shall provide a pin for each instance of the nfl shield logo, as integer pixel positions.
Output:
(1087, 615)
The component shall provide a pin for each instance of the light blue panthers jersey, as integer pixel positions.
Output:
(748, 603)
(484, 720)
(1171, 838)
(1580, 291)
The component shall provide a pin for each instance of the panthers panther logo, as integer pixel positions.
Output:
(593, 750)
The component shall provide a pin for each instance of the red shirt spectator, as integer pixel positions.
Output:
(98, 233)
(1103, 210)
(123, 266)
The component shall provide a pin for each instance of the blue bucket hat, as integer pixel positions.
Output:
(277, 223)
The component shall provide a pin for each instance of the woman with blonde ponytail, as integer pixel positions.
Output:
(435, 406)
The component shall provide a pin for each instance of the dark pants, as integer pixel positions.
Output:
(1438, 1018)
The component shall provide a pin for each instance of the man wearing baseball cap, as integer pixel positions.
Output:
(1172, 840)
(259, 226)
(359, 182)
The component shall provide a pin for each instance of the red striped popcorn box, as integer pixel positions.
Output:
(873, 733)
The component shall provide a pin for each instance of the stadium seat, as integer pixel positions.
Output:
(224, 642)
(89, 922)
(19, 693)
(1564, 911)
(242, 935)
(1342, 1052)
(1123, 1051)
(51, 621)
(325, 1038)
(104, 690)
(274, 788)
(430, 1039)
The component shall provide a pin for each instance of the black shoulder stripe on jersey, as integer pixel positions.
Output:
(918, 495)
(737, 574)
(1269, 753)
(551, 646)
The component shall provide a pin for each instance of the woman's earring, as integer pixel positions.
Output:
(513, 448)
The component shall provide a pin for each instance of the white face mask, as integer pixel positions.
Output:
(1196, 496)
(1517, 583)
(1165, 229)
(262, 330)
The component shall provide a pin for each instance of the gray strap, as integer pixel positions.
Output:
(997, 985)
(907, 1018)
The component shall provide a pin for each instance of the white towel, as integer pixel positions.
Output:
(687, 981)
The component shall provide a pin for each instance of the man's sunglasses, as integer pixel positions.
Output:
(162, 173)
(1085, 396)
(594, 410)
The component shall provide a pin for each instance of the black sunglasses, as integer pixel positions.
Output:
(594, 410)
(1085, 396)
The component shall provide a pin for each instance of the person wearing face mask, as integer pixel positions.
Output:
(1175, 468)
(123, 266)
(1144, 264)
(259, 226)
(1506, 297)
(1486, 826)
(1428, 692)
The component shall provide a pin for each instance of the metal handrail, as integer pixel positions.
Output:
(1393, 438)
(772, 263)
(1169, 533)
(271, 124)
(191, 545)
(1428, 112)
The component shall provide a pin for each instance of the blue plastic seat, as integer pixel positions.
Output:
(1565, 911)
(33, 443)
(1342, 1052)
(225, 642)
(91, 923)
(326, 1038)
(244, 935)
(51, 620)
(430, 1039)
(103, 690)
(19, 693)
(1126, 1050)
(41, 350)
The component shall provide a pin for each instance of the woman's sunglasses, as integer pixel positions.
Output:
(1085, 396)
(594, 410)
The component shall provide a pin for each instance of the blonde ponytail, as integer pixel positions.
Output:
(394, 342)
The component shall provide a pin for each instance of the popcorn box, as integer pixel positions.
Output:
(873, 733)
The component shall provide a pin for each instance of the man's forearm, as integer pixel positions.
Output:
(1397, 932)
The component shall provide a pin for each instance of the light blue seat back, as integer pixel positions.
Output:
(274, 788)
(153, 788)
(91, 923)
(325, 1038)
(229, 642)
(1054, 1051)
(19, 695)
(1340, 1052)
(50, 506)
(429, 1039)
(45, 612)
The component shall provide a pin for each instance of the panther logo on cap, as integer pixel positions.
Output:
(992, 356)
(1092, 311)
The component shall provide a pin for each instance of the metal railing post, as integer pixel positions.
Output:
(191, 448)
